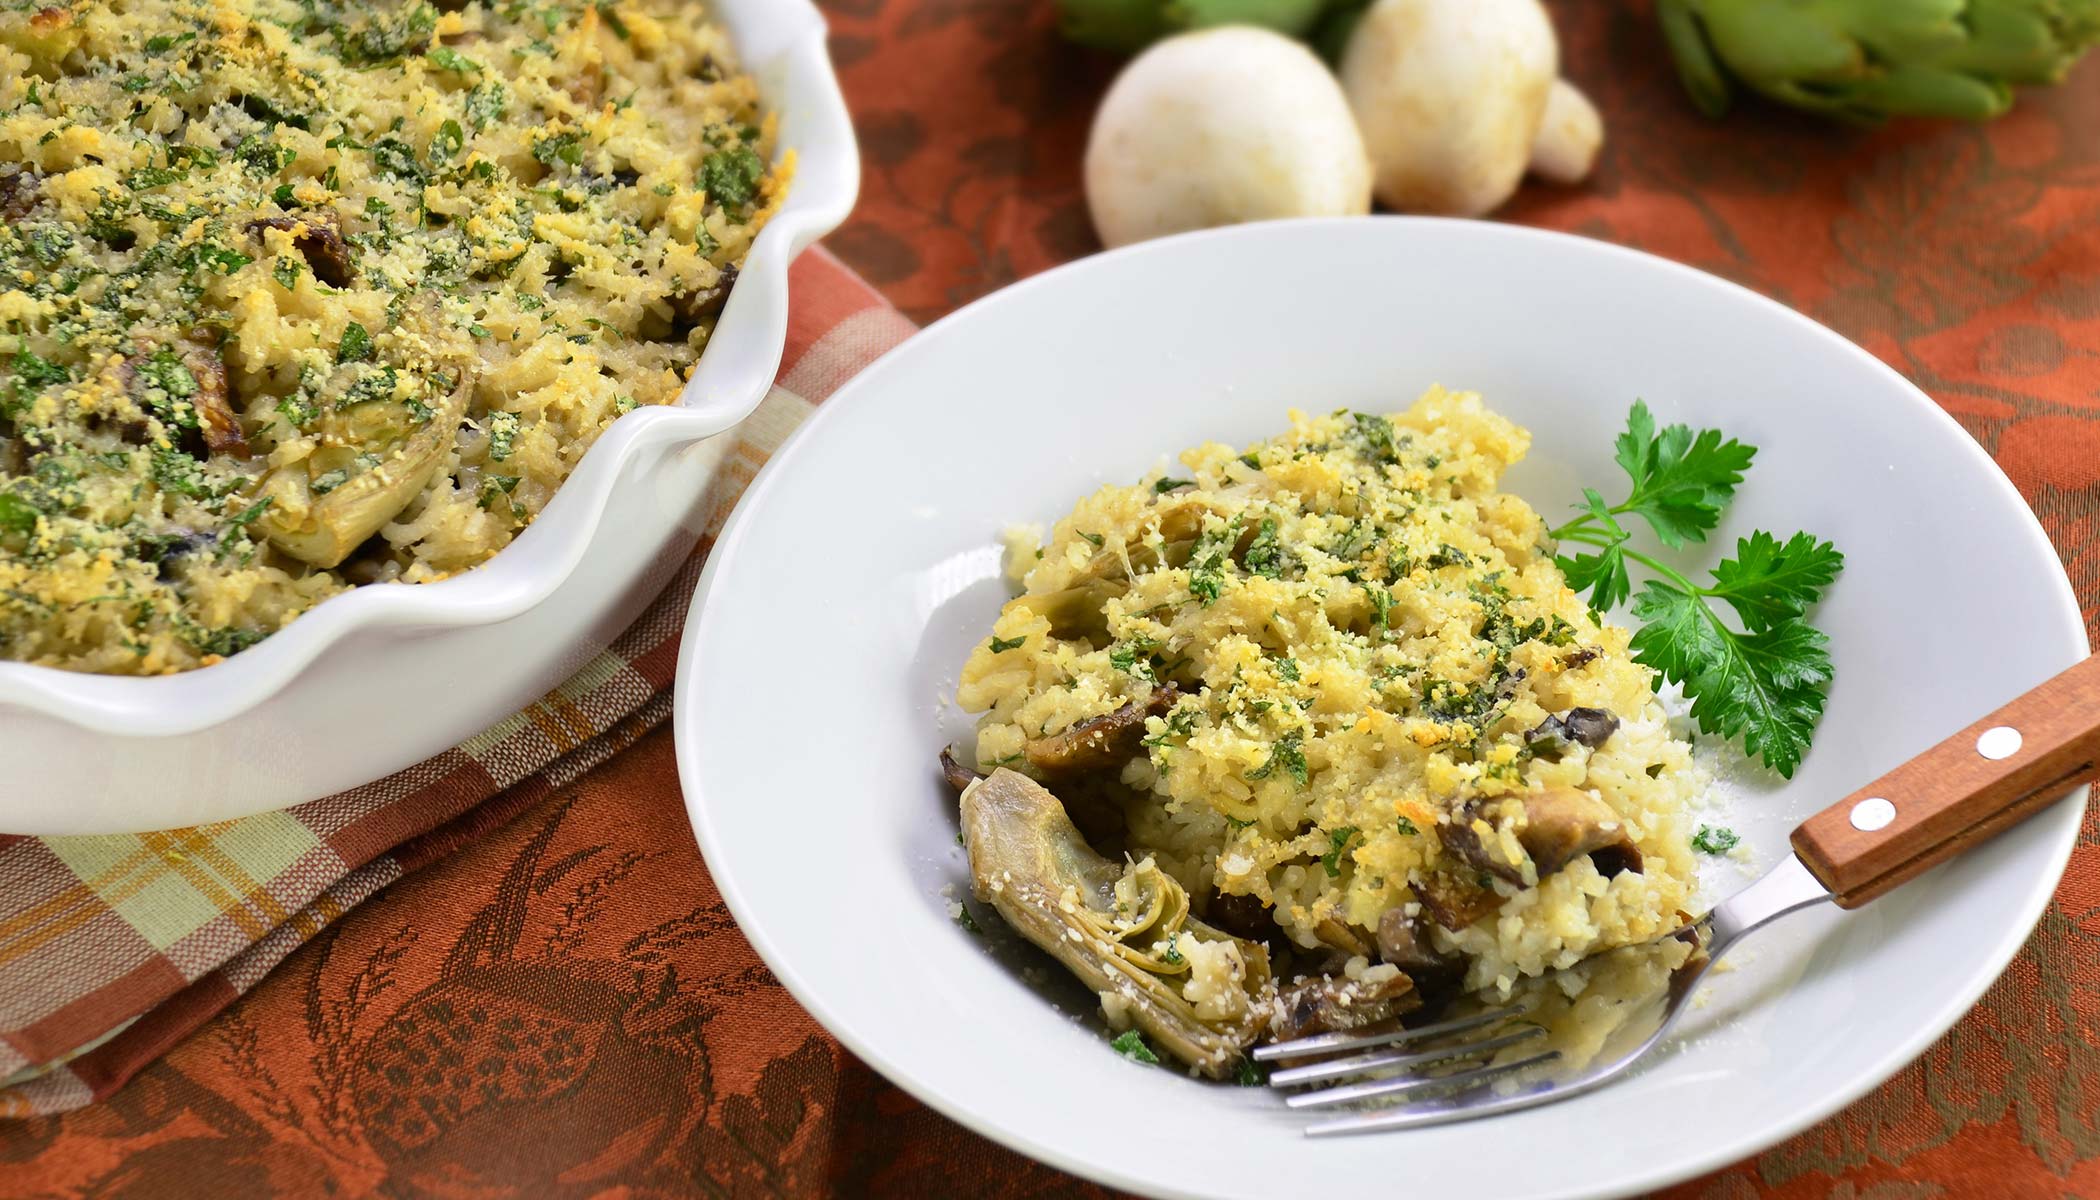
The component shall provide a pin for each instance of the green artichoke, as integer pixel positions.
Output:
(1870, 59)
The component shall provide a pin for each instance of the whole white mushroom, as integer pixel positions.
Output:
(1450, 95)
(1219, 127)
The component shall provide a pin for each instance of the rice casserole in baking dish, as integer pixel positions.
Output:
(301, 295)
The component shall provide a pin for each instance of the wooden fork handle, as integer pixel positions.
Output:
(1982, 781)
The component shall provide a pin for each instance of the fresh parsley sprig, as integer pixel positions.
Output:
(1765, 682)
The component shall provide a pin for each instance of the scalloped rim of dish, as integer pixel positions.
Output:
(735, 372)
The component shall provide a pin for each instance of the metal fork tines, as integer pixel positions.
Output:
(1400, 1072)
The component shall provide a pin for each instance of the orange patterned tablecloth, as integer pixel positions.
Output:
(565, 1008)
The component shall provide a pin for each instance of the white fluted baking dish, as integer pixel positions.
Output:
(382, 677)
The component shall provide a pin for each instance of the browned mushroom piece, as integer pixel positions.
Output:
(1590, 727)
(19, 192)
(1564, 824)
(957, 775)
(1241, 916)
(1559, 825)
(1326, 1003)
(221, 426)
(706, 303)
(1455, 903)
(1403, 941)
(318, 241)
(1463, 841)
(1100, 742)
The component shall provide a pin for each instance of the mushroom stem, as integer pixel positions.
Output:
(1569, 136)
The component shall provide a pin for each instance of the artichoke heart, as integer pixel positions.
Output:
(323, 530)
(1124, 929)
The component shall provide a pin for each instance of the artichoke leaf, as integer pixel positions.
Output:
(1122, 929)
(323, 531)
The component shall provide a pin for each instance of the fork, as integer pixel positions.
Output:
(1978, 783)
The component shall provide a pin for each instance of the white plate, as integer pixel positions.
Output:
(860, 568)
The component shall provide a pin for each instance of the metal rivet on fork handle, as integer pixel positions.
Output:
(1999, 741)
(1872, 813)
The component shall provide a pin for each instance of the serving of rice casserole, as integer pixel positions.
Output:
(298, 295)
(1333, 691)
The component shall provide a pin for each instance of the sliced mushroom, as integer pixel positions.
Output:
(318, 241)
(1241, 916)
(19, 192)
(1558, 826)
(1099, 743)
(1590, 727)
(957, 775)
(218, 426)
(706, 304)
(1122, 929)
(1563, 824)
(324, 531)
(213, 401)
(1326, 1003)
(1455, 903)
(1403, 941)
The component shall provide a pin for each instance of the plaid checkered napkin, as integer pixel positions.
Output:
(114, 948)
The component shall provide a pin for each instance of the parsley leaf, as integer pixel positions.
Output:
(1407, 828)
(1001, 645)
(1681, 480)
(1131, 1045)
(1714, 839)
(1767, 687)
(1769, 581)
(356, 345)
(1337, 842)
(1766, 682)
(1289, 755)
(1163, 486)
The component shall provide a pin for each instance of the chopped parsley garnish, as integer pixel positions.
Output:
(1131, 1045)
(1172, 955)
(1449, 556)
(1133, 660)
(1252, 458)
(1250, 1074)
(1381, 605)
(452, 60)
(1289, 756)
(731, 176)
(1001, 645)
(1407, 828)
(962, 911)
(562, 147)
(1287, 668)
(1376, 434)
(17, 514)
(1714, 839)
(1095, 538)
(1265, 555)
(1210, 560)
(1164, 486)
(356, 345)
(1337, 842)
(1765, 682)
